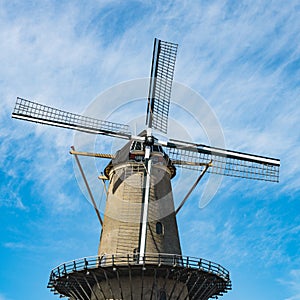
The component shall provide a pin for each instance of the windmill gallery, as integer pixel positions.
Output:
(139, 255)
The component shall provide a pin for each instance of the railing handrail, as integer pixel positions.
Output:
(107, 260)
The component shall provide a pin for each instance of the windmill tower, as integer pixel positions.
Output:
(139, 255)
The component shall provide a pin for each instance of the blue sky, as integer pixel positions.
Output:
(243, 58)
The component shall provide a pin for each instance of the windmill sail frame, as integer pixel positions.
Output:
(162, 73)
(39, 113)
(224, 162)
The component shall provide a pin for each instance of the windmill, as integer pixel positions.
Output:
(139, 255)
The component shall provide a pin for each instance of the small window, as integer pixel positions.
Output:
(162, 295)
(157, 148)
(159, 228)
(136, 146)
(132, 146)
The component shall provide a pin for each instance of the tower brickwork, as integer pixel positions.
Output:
(122, 221)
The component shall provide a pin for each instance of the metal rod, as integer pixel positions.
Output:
(166, 279)
(142, 287)
(210, 290)
(206, 290)
(192, 188)
(174, 286)
(82, 289)
(73, 294)
(200, 288)
(88, 187)
(74, 127)
(91, 288)
(145, 209)
(154, 284)
(172, 143)
(153, 75)
(188, 163)
(104, 185)
(130, 281)
(108, 284)
(185, 284)
(98, 285)
(120, 286)
(101, 155)
(194, 285)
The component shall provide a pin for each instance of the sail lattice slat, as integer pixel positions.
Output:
(233, 164)
(39, 113)
(162, 72)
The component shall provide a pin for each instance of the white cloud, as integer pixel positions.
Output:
(293, 284)
(14, 245)
(3, 297)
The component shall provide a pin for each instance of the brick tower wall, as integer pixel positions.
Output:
(121, 227)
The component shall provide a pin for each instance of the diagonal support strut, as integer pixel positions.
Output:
(87, 186)
(193, 187)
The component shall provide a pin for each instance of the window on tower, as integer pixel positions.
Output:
(159, 228)
(162, 295)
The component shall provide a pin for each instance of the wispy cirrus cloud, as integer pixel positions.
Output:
(292, 284)
(3, 297)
